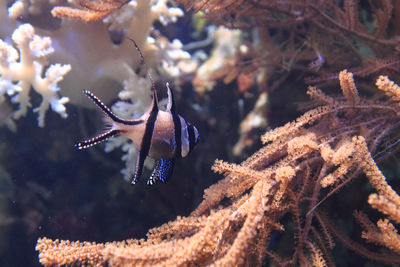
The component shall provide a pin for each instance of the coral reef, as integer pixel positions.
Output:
(283, 188)
(314, 39)
(89, 10)
(220, 61)
(111, 74)
(72, 44)
(296, 31)
(284, 205)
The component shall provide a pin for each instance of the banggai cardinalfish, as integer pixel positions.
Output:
(162, 135)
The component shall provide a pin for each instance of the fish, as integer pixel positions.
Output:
(162, 135)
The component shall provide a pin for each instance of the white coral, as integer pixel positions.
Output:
(21, 71)
(163, 13)
(33, 7)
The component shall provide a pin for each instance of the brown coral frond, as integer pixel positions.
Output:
(63, 252)
(358, 248)
(384, 205)
(88, 10)
(391, 89)
(325, 35)
(390, 236)
(348, 87)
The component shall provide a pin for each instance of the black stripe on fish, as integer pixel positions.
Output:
(178, 135)
(146, 140)
(192, 137)
(107, 111)
(98, 139)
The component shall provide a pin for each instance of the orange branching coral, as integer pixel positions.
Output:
(88, 10)
(328, 146)
(384, 205)
(66, 252)
(383, 234)
(312, 39)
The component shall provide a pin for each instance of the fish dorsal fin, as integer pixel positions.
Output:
(171, 101)
(154, 105)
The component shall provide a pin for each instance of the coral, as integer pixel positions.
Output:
(318, 37)
(20, 69)
(73, 44)
(32, 7)
(220, 61)
(328, 146)
(87, 10)
(104, 75)
(254, 120)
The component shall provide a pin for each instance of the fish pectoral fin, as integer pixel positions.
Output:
(97, 139)
(140, 158)
(162, 171)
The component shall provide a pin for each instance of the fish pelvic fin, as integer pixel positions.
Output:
(162, 171)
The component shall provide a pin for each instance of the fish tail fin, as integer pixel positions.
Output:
(109, 115)
(111, 122)
(97, 139)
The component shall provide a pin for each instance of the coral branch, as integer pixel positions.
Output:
(62, 252)
(20, 70)
(88, 10)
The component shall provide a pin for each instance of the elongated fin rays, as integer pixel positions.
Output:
(142, 61)
(109, 115)
(96, 140)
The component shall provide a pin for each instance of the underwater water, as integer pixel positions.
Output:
(50, 188)
(235, 74)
